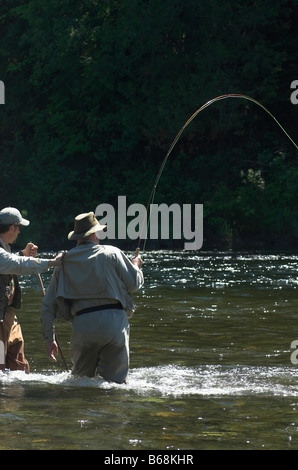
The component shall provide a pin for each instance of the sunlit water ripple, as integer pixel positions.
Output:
(178, 381)
(210, 363)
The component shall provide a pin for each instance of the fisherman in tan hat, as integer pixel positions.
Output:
(25, 262)
(92, 289)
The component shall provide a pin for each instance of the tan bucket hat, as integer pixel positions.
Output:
(84, 225)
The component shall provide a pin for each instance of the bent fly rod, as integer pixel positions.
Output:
(192, 117)
(56, 339)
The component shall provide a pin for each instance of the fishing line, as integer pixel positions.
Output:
(218, 98)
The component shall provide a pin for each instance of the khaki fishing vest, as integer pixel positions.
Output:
(10, 293)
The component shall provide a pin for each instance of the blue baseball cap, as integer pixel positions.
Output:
(11, 215)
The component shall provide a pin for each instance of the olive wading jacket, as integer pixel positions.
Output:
(90, 275)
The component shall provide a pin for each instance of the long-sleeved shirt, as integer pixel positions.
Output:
(90, 275)
(20, 265)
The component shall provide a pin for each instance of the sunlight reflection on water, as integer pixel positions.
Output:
(178, 381)
(210, 363)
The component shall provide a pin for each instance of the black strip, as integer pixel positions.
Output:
(118, 306)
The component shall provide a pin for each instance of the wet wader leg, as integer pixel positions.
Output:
(15, 358)
(113, 362)
(3, 345)
(2, 355)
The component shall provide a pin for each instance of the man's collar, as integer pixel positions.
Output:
(86, 242)
(5, 247)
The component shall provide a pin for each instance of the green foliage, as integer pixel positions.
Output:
(97, 90)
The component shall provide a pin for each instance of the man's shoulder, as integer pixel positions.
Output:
(85, 249)
(3, 247)
(4, 253)
(91, 249)
(110, 248)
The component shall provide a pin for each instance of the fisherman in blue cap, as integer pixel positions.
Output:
(11, 265)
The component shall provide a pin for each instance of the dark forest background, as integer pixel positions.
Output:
(96, 91)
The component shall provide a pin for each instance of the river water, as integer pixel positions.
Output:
(213, 364)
